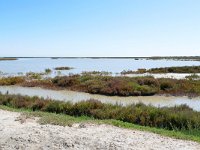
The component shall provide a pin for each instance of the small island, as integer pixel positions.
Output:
(5, 58)
(63, 68)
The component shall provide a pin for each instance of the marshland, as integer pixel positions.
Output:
(93, 75)
(166, 103)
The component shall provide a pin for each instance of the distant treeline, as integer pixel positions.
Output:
(185, 58)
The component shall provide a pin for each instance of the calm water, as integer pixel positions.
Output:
(88, 64)
(158, 101)
(24, 65)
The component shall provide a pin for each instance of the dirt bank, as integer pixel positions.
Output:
(22, 134)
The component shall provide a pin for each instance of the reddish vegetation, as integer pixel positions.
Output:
(108, 85)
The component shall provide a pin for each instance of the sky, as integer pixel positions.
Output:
(99, 28)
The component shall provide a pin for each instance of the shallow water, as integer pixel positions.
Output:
(73, 96)
(24, 65)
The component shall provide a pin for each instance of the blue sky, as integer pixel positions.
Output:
(99, 27)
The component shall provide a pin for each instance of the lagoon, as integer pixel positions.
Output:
(114, 65)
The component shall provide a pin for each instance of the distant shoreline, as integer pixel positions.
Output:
(184, 58)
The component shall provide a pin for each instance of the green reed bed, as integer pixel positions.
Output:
(180, 118)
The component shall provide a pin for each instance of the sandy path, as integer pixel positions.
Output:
(30, 135)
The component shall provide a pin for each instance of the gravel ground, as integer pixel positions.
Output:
(27, 134)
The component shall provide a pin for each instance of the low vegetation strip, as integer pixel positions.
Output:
(113, 86)
(184, 69)
(180, 118)
(128, 86)
(179, 58)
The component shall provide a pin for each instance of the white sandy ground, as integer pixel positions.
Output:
(30, 135)
(163, 75)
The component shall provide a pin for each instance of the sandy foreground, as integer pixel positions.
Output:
(28, 134)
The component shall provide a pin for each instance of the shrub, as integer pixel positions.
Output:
(166, 85)
(48, 71)
(11, 80)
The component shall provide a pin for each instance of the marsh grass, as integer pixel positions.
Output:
(128, 86)
(172, 118)
(112, 86)
(193, 77)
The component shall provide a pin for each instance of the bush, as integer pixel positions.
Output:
(48, 71)
(11, 80)
(65, 81)
(166, 85)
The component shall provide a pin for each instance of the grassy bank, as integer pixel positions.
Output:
(63, 119)
(181, 118)
(184, 69)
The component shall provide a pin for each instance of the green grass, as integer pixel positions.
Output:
(66, 120)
